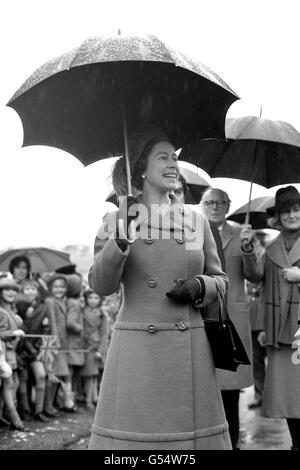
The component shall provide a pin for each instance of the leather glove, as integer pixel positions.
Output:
(127, 213)
(187, 291)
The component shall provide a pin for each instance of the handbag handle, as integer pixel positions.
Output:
(222, 306)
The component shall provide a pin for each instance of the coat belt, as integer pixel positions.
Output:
(180, 325)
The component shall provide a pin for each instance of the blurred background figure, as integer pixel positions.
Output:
(240, 263)
(253, 291)
(20, 268)
(96, 330)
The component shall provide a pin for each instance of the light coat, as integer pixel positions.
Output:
(159, 387)
(10, 321)
(58, 313)
(282, 383)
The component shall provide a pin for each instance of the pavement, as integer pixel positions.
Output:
(72, 431)
(57, 434)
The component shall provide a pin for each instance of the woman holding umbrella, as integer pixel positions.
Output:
(159, 387)
(280, 313)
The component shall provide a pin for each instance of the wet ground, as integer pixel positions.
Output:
(72, 431)
(259, 433)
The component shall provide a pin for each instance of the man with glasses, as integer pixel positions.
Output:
(241, 262)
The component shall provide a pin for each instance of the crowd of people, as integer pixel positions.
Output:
(54, 335)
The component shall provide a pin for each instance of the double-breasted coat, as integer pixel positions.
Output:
(159, 387)
(239, 266)
(278, 315)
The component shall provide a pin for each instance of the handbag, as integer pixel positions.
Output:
(226, 346)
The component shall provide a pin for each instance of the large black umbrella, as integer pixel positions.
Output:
(263, 151)
(86, 100)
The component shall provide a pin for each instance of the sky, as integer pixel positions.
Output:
(48, 197)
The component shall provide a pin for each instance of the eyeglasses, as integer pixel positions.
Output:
(217, 203)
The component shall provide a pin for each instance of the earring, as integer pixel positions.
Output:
(143, 176)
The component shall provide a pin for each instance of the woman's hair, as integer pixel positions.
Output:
(183, 182)
(140, 145)
(16, 261)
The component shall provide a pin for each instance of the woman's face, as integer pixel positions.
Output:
(290, 218)
(59, 288)
(93, 300)
(20, 271)
(8, 295)
(162, 167)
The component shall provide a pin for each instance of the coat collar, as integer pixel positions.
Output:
(277, 252)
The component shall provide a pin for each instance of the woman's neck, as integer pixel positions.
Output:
(155, 196)
(291, 233)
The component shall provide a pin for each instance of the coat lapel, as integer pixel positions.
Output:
(294, 254)
(226, 234)
(278, 254)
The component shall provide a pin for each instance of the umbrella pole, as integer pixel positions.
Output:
(247, 218)
(128, 173)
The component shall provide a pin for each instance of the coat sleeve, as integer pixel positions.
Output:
(6, 333)
(106, 272)
(212, 275)
(50, 306)
(253, 265)
(73, 324)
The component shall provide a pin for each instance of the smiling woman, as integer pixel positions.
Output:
(159, 387)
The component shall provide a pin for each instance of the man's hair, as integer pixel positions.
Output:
(224, 194)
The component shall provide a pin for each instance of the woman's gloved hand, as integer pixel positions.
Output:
(186, 291)
(128, 211)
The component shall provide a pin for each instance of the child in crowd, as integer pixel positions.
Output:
(74, 326)
(95, 339)
(36, 321)
(10, 333)
(57, 304)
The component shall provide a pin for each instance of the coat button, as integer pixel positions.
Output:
(151, 328)
(152, 282)
(180, 240)
(148, 241)
(182, 325)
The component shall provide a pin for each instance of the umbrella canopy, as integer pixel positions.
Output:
(41, 259)
(263, 151)
(75, 102)
(196, 185)
(258, 215)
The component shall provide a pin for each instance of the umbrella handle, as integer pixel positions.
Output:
(127, 164)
